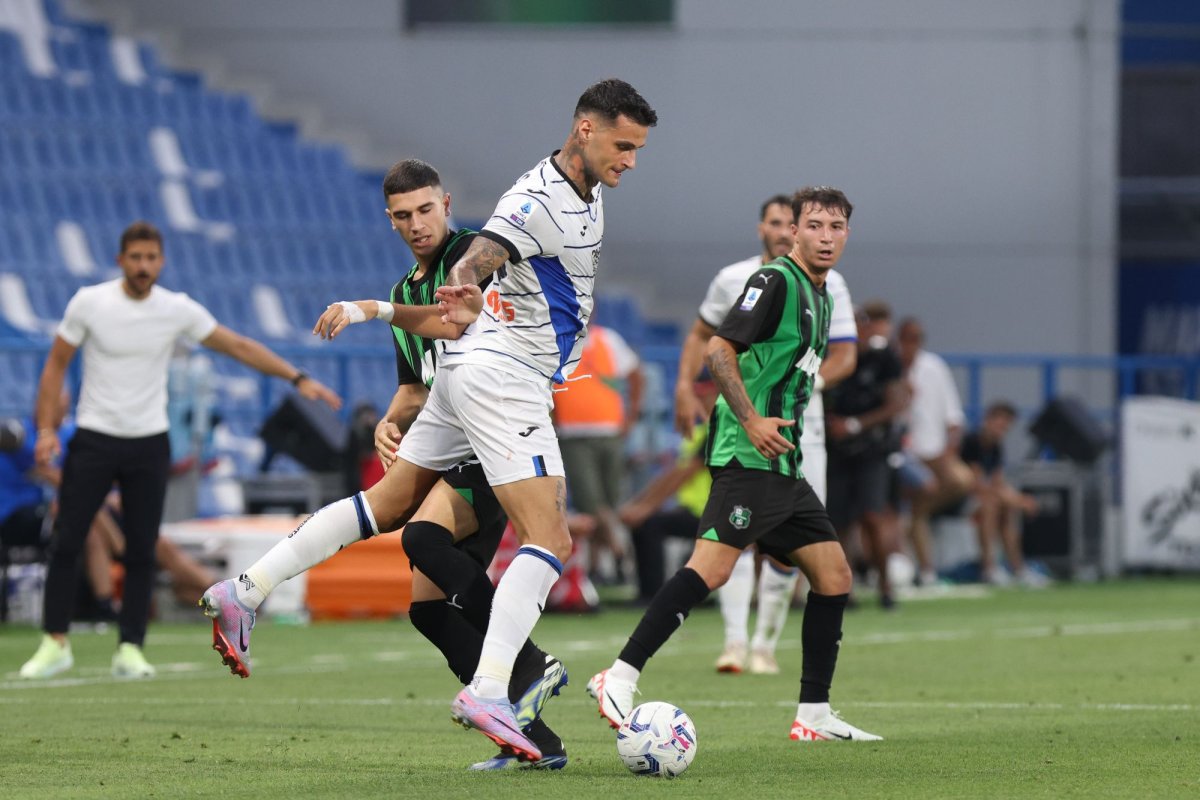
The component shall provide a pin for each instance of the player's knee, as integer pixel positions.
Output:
(425, 541)
(833, 579)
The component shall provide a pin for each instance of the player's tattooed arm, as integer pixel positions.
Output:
(721, 359)
(763, 432)
(482, 258)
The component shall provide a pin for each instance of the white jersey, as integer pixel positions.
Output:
(727, 287)
(127, 346)
(536, 309)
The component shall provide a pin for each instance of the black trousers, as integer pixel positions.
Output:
(93, 464)
(649, 545)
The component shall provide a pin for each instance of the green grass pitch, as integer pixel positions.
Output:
(1088, 691)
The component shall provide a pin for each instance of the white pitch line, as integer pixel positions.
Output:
(390, 702)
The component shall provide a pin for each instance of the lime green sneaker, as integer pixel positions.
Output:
(128, 662)
(50, 659)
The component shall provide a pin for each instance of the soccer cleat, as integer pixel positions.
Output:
(830, 729)
(762, 662)
(494, 719)
(50, 659)
(544, 685)
(129, 662)
(614, 696)
(732, 659)
(232, 623)
(554, 755)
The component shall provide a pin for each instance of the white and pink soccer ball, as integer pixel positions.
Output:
(657, 739)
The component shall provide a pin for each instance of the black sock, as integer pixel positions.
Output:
(430, 548)
(820, 635)
(667, 611)
(450, 633)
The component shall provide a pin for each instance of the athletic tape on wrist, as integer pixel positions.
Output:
(385, 310)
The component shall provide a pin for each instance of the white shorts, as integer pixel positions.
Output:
(813, 463)
(475, 411)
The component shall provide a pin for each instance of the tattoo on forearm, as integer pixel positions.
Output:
(482, 258)
(723, 365)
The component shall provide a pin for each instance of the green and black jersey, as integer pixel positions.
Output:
(415, 360)
(780, 327)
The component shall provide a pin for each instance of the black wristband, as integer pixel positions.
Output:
(301, 375)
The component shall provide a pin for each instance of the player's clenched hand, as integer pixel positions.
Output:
(46, 448)
(340, 314)
(765, 436)
(315, 390)
(387, 440)
(688, 409)
(460, 305)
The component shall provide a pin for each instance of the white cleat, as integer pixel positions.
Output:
(732, 659)
(830, 729)
(614, 696)
(762, 662)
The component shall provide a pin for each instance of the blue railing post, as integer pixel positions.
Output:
(1049, 380)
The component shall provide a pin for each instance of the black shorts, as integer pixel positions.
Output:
(468, 480)
(858, 486)
(752, 506)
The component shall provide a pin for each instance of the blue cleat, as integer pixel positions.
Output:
(554, 755)
(232, 623)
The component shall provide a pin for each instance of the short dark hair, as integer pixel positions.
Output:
(1001, 407)
(775, 200)
(140, 231)
(877, 311)
(408, 176)
(614, 97)
(825, 197)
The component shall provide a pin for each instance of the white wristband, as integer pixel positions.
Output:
(853, 426)
(385, 311)
(819, 383)
(352, 311)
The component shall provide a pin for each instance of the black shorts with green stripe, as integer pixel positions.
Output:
(753, 506)
(468, 480)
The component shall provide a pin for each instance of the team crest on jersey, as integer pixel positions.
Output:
(740, 518)
(751, 298)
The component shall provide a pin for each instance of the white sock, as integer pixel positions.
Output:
(624, 672)
(320, 536)
(735, 599)
(812, 712)
(516, 608)
(774, 601)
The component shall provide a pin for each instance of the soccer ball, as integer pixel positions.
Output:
(657, 739)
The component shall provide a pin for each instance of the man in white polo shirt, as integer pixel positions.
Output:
(127, 329)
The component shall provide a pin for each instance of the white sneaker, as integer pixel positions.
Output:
(1033, 580)
(615, 696)
(831, 729)
(732, 659)
(762, 662)
(997, 576)
(128, 662)
(50, 659)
